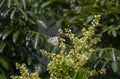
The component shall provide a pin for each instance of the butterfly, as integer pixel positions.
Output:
(55, 39)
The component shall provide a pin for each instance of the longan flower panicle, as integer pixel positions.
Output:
(25, 73)
(78, 55)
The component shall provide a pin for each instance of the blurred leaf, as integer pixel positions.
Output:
(6, 33)
(113, 55)
(6, 13)
(2, 76)
(114, 66)
(55, 49)
(41, 23)
(80, 73)
(2, 46)
(36, 40)
(24, 4)
(12, 14)
(45, 4)
(29, 60)
(38, 67)
(24, 14)
(113, 10)
(89, 19)
(9, 3)
(114, 33)
(4, 63)
(100, 53)
(2, 2)
(16, 35)
(59, 22)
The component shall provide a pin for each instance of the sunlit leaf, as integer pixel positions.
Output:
(45, 4)
(41, 23)
(6, 33)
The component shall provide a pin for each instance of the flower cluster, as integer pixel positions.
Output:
(62, 65)
(25, 73)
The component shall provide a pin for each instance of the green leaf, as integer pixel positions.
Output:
(55, 49)
(9, 3)
(4, 63)
(113, 54)
(41, 23)
(114, 33)
(113, 10)
(18, 4)
(100, 53)
(16, 35)
(6, 13)
(59, 22)
(45, 4)
(2, 46)
(89, 19)
(6, 33)
(24, 14)
(1, 3)
(36, 40)
(24, 4)
(114, 66)
(76, 73)
(2, 76)
(29, 60)
(38, 66)
(12, 14)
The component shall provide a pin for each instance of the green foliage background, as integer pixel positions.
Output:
(20, 39)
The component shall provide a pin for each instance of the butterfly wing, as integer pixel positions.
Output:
(53, 40)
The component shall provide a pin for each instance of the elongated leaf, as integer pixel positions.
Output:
(114, 66)
(29, 60)
(2, 2)
(15, 36)
(45, 4)
(2, 46)
(4, 63)
(24, 14)
(17, 2)
(41, 23)
(9, 3)
(36, 40)
(12, 14)
(114, 33)
(6, 13)
(100, 53)
(24, 4)
(113, 55)
(76, 73)
(6, 33)
(89, 19)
